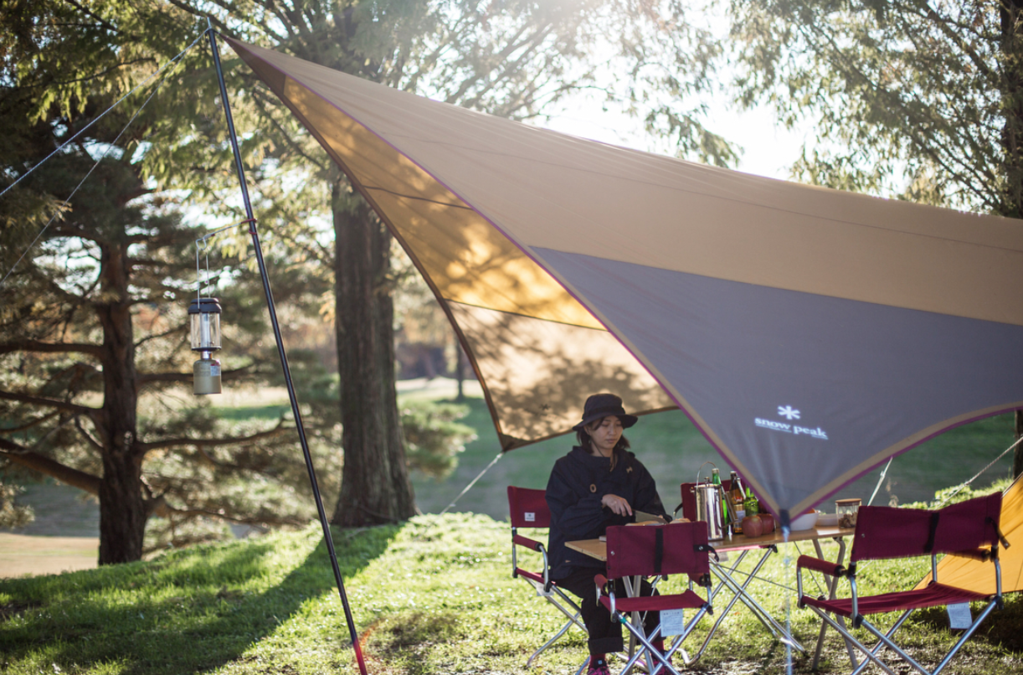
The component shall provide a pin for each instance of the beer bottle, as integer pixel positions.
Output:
(715, 478)
(737, 500)
(752, 503)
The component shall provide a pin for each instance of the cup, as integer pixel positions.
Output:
(847, 510)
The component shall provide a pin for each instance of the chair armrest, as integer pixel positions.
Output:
(527, 542)
(981, 554)
(601, 582)
(829, 568)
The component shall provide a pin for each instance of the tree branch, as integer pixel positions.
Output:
(29, 425)
(46, 466)
(207, 442)
(103, 22)
(86, 435)
(50, 347)
(38, 400)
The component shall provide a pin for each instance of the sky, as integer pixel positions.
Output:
(769, 149)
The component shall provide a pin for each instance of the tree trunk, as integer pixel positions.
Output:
(375, 486)
(1010, 13)
(122, 510)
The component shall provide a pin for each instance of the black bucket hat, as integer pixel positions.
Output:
(600, 406)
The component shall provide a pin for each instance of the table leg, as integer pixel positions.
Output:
(775, 628)
(832, 591)
(739, 593)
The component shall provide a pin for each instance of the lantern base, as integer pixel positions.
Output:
(206, 377)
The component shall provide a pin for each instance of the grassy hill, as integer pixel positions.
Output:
(432, 595)
(673, 450)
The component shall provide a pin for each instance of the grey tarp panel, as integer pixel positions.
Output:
(809, 333)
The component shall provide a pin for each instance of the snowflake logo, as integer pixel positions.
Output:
(788, 412)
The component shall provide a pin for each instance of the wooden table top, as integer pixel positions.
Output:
(595, 548)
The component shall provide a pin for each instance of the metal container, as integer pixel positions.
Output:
(708, 506)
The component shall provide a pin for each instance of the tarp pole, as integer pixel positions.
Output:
(280, 351)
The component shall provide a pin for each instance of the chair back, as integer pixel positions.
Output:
(678, 548)
(528, 507)
(886, 532)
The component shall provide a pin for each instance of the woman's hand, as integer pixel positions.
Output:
(617, 504)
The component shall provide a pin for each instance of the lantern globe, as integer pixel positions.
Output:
(204, 321)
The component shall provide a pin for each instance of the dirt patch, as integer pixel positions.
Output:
(22, 555)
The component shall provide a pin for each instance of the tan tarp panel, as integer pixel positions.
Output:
(979, 576)
(810, 334)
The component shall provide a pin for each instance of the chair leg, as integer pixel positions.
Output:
(871, 657)
(568, 624)
(969, 631)
(571, 603)
(655, 656)
(876, 649)
(886, 639)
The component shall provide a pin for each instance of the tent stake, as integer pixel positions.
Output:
(280, 351)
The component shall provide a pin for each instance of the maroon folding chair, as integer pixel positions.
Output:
(528, 508)
(656, 550)
(967, 529)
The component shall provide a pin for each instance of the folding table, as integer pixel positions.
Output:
(725, 574)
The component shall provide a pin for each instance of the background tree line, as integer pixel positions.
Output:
(93, 336)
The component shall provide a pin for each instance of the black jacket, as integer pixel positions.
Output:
(578, 482)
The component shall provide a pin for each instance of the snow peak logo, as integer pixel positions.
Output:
(787, 427)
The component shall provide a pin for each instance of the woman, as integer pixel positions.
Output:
(599, 483)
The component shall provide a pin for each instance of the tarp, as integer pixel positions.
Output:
(810, 334)
(979, 577)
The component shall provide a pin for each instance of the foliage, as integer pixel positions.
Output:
(12, 514)
(430, 595)
(93, 331)
(911, 99)
(433, 436)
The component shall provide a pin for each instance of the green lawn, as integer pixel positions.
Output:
(432, 595)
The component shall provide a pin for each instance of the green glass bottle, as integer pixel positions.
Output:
(715, 478)
(752, 503)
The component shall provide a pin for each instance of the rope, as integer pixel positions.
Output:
(102, 115)
(761, 579)
(880, 479)
(991, 464)
(70, 140)
(469, 486)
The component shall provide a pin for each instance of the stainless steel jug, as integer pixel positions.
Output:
(708, 506)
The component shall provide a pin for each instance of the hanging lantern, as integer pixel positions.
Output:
(204, 319)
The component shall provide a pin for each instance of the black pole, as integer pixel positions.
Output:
(280, 351)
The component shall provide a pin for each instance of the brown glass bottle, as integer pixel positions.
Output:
(736, 503)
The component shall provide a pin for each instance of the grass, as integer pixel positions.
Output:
(432, 595)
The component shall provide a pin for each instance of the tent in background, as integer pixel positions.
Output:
(976, 576)
(809, 333)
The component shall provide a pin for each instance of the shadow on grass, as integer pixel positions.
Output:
(1002, 629)
(186, 613)
(404, 640)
